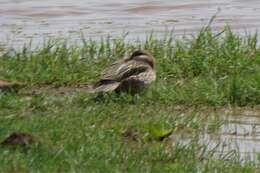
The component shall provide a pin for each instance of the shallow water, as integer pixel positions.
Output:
(240, 133)
(21, 20)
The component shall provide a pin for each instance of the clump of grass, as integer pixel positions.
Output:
(121, 132)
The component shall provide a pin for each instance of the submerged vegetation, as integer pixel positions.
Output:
(80, 131)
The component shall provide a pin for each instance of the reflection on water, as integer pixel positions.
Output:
(240, 132)
(23, 19)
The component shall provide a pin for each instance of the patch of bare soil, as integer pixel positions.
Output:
(59, 90)
(19, 139)
(10, 85)
(6, 85)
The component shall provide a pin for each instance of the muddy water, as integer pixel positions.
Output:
(21, 20)
(239, 133)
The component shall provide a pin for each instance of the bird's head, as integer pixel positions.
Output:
(144, 56)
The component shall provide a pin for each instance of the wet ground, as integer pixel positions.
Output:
(21, 20)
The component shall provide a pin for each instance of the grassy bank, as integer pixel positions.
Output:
(196, 76)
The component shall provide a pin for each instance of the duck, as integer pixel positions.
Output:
(132, 74)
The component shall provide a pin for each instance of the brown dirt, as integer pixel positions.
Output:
(19, 139)
(9, 85)
(59, 90)
(130, 135)
(6, 85)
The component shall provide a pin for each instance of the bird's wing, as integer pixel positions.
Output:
(121, 70)
(146, 77)
(110, 72)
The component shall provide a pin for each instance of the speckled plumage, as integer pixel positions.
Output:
(128, 75)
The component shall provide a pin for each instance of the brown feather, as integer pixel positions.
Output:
(133, 73)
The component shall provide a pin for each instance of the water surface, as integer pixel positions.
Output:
(239, 133)
(21, 20)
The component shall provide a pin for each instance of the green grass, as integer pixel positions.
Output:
(122, 133)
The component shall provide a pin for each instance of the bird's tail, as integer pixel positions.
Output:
(105, 86)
